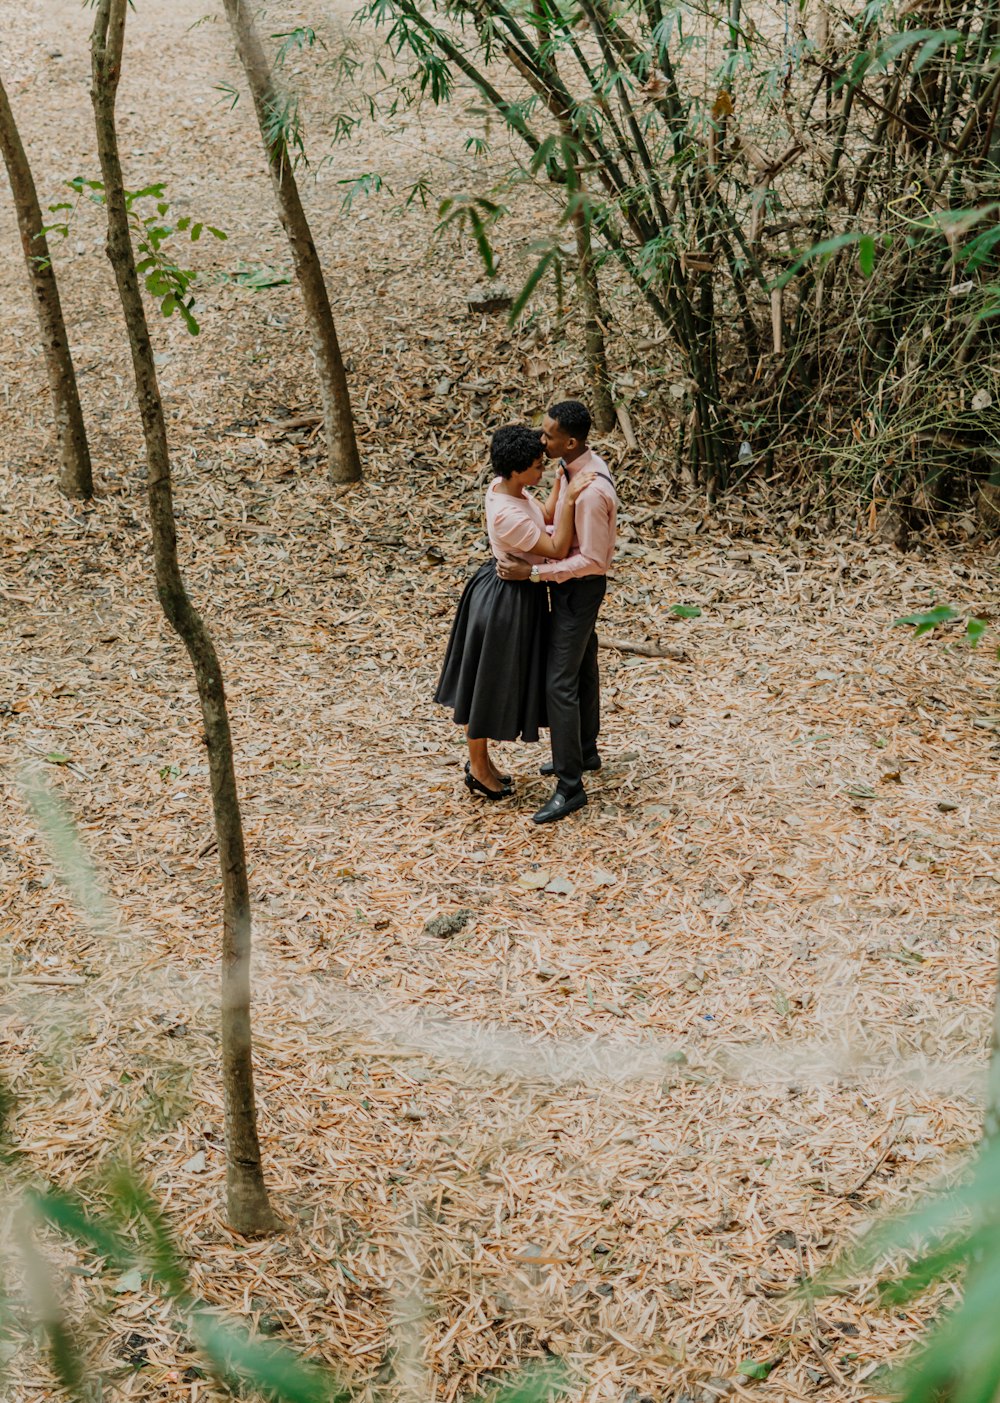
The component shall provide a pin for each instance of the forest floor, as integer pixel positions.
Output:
(684, 1045)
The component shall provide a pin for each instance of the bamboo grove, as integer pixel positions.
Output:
(806, 199)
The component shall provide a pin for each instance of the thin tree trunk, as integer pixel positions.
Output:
(75, 477)
(587, 280)
(593, 333)
(249, 1208)
(338, 421)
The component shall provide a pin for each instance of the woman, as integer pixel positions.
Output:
(494, 670)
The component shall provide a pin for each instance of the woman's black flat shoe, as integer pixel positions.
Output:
(505, 780)
(474, 787)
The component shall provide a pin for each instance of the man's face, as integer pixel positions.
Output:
(555, 440)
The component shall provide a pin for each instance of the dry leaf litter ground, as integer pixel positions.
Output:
(611, 1120)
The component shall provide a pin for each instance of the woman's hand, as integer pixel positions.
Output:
(576, 485)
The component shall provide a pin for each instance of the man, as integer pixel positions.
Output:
(578, 585)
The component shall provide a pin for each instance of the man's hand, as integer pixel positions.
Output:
(516, 570)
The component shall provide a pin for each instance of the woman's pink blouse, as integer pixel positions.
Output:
(514, 524)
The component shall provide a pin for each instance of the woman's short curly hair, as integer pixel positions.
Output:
(514, 448)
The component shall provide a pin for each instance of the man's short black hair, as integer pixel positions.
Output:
(573, 418)
(514, 448)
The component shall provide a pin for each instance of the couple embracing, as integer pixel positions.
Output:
(523, 647)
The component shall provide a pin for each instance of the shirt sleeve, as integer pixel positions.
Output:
(516, 531)
(593, 534)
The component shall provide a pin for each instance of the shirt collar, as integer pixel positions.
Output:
(579, 464)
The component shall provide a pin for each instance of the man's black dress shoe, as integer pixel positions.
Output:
(593, 762)
(560, 805)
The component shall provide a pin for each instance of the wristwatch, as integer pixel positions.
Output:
(535, 577)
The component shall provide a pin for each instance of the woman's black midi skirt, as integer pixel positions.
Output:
(493, 676)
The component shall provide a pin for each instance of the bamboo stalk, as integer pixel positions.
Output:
(776, 321)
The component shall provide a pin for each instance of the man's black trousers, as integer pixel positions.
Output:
(572, 681)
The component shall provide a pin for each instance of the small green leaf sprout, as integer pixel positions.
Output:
(924, 622)
(478, 214)
(368, 184)
(165, 278)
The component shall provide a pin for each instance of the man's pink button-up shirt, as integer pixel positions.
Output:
(594, 526)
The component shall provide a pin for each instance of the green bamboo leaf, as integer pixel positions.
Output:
(979, 250)
(754, 1369)
(534, 278)
(924, 622)
(267, 1368)
(934, 1266)
(65, 1353)
(257, 279)
(895, 45)
(545, 152)
(823, 249)
(932, 44)
(482, 243)
(962, 1358)
(866, 255)
(133, 1200)
(72, 861)
(69, 1215)
(963, 1210)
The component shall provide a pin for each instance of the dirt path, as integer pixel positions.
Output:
(772, 969)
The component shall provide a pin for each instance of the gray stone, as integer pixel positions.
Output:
(444, 926)
(490, 297)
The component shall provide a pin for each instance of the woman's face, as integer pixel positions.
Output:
(532, 476)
